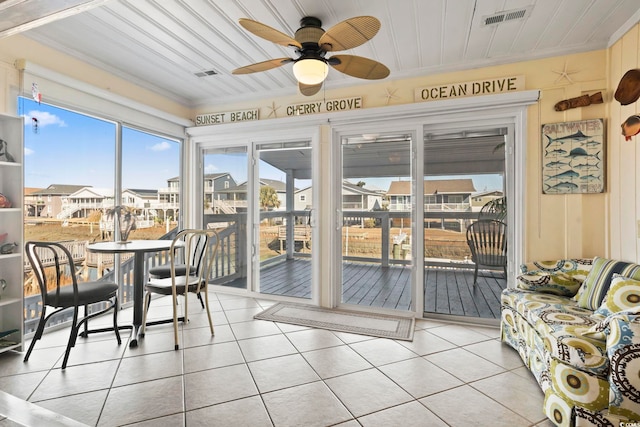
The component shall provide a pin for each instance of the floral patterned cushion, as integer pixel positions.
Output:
(561, 277)
(623, 294)
(597, 283)
(623, 348)
(562, 324)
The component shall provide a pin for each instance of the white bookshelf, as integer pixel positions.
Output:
(11, 222)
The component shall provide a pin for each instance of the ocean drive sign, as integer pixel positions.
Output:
(472, 88)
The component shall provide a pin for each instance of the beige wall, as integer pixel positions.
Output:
(624, 201)
(556, 225)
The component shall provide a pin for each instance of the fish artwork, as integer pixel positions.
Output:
(558, 152)
(563, 186)
(578, 136)
(587, 165)
(557, 164)
(592, 143)
(573, 157)
(581, 152)
(630, 127)
(570, 174)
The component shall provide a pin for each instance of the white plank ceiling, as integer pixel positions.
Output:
(162, 44)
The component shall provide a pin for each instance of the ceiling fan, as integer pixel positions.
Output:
(312, 44)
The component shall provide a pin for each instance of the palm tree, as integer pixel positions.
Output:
(268, 198)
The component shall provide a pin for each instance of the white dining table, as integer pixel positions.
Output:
(139, 248)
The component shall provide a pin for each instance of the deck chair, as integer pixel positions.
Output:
(55, 271)
(163, 271)
(194, 282)
(487, 240)
(494, 209)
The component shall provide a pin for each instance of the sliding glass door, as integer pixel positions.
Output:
(259, 197)
(377, 205)
(284, 198)
(225, 208)
(464, 182)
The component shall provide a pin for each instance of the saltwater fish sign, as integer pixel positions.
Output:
(473, 88)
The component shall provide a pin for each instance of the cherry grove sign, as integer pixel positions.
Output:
(324, 106)
(472, 88)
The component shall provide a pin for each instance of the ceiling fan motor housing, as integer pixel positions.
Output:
(308, 36)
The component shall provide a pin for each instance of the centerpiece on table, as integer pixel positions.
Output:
(124, 218)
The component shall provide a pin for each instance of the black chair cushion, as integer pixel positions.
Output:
(88, 293)
(163, 271)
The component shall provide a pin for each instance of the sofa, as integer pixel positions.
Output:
(576, 325)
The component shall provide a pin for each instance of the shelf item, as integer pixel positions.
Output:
(11, 220)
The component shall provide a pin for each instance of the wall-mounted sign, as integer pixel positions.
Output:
(573, 157)
(226, 117)
(325, 106)
(474, 88)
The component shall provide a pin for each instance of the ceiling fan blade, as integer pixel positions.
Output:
(268, 33)
(357, 66)
(349, 34)
(308, 90)
(262, 66)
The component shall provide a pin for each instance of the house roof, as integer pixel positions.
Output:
(60, 190)
(358, 189)
(497, 193)
(440, 186)
(28, 191)
(279, 186)
(206, 176)
(93, 192)
(144, 193)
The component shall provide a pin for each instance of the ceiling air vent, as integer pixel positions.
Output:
(506, 16)
(205, 73)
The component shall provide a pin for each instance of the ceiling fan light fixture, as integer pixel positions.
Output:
(310, 71)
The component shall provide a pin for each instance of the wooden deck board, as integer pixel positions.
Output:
(446, 291)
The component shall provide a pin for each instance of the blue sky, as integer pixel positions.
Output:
(71, 148)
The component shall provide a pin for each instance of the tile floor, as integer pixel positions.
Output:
(257, 373)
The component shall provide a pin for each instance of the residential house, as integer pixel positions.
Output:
(478, 200)
(239, 194)
(50, 202)
(33, 204)
(439, 195)
(354, 198)
(81, 203)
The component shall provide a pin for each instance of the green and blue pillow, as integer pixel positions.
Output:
(597, 283)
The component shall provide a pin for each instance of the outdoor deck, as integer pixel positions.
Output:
(447, 290)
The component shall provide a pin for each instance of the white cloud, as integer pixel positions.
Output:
(161, 146)
(28, 151)
(210, 169)
(44, 119)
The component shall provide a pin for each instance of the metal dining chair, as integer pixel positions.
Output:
(196, 282)
(56, 274)
(487, 240)
(163, 271)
